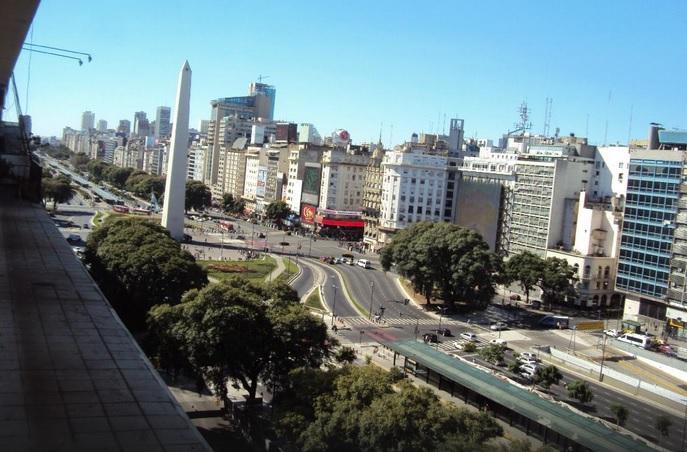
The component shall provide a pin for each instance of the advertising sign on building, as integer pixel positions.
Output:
(308, 212)
(262, 181)
(311, 180)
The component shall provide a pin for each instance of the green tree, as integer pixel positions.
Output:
(581, 391)
(492, 353)
(525, 268)
(79, 161)
(469, 347)
(362, 411)
(230, 333)
(455, 261)
(198, 195)
(515, 367)
(620, 413)
(96, 170)
(57, 189)
(233, 205)
(277, 211)
(663, 424)
(345, 355)
(60, 152)
(547, 376)
(137, 265)
(117, 176)
(557, 280)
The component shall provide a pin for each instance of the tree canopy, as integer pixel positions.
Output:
(57, 189)
(239, 332)
(137, 265)
(554, 276)
(277, 211)
(117, 176)
(547, 376)
(358, 408)
(444, 258)
(581, 391)
(230, 204)
(198, 195)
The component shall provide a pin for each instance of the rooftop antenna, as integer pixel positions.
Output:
(262, 77)
(524, 123)
(629, 127)
(586, 127)
(443, 132)
(381, 127)
(608, 107)
(547, 116)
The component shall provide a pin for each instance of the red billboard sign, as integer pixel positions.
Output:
(308, 213)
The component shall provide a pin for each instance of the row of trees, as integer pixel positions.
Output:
(456, 265)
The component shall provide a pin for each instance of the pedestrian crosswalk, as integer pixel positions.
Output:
(362, 321)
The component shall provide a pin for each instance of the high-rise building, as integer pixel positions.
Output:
(87, 120)
(124, 127)
(343, 178)
(141, 119)
(372, 198)
(162, 125)
(102, 125)
(203, 126)
(265, 96)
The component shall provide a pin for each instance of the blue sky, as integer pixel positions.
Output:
(358, 64)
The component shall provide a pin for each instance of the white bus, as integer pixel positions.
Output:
(638, 340)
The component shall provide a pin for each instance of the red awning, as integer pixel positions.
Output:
(341, 223)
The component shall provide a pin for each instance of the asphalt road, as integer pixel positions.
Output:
(306, 280)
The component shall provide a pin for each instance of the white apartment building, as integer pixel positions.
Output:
(343, 178)
(413, 189)
(303, 177)
(198, 154)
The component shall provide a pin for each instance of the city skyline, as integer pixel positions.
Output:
(381, 66)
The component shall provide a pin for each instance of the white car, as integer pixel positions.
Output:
(612, 333)
(527, 361)
(529, 369)
(472, 337)
(501, 342)
(498, 326)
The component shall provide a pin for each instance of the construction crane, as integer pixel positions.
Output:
(262, 77)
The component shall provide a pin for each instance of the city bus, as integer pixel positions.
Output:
(120, 209)
(225, 225)
(555, 321)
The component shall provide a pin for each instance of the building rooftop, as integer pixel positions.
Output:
(72, 377)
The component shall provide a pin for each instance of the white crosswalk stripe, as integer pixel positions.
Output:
(399, 321)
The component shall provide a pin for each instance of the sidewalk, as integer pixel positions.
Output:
(277, 271)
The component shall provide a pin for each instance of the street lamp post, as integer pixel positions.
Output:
(372, 291)
(603, 358)
(221, 246)
(334, 304)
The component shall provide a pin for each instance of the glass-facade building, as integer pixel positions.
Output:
(653, 191)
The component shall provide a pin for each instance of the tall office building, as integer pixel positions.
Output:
(87, 120)
(162, 125)
(124, 127)
(140, 118)
(102, 125)
(265, 96)
(650, 225)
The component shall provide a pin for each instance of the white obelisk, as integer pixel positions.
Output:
(175, 188)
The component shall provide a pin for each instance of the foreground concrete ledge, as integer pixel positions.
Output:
(72, 377)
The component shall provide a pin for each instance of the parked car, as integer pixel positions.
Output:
(501, 342)
(612, 333)
(499, 326)
(364, 263)
(430, 338)
(472, 337)
(530, 369)
(86, 226)
(527, 361)
(74, 238)
(261, 236)
(444, 332)
(240, 237)
(530, 356)
(515, 297)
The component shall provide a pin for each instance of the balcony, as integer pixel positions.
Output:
(682, 203)
(681, 233)
(677, 278)
(72, 375)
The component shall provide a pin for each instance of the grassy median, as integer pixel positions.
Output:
(254, 270)
(314, 300)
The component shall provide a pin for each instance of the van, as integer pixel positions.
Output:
(638, 340)
(364, 263)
